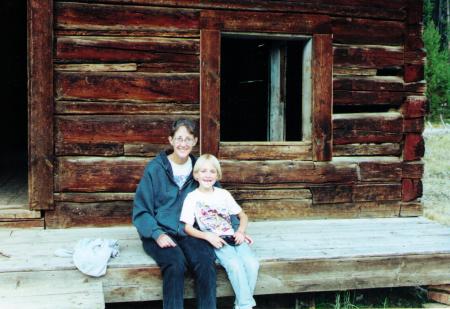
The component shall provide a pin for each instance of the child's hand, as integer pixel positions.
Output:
(239, 237)
(248, 239)
(215, 240)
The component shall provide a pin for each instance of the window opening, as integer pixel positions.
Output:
(264, 88)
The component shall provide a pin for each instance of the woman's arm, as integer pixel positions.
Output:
(212, 238)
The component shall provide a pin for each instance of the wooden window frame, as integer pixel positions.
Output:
(40, 104)
(213, 25)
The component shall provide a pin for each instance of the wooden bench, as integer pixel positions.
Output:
(296, 256)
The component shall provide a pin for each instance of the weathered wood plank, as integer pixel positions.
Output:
(379, 10)
(131, 87)
(413, 147)
(244, 21)
(265, 151)
(57, 289)
(331, 194)
(210, 91)
(104, 67)
(375, 57)
(40, 103)
(151, 54)
(78, 174)
(113, 128)
(414, 125)
(256, 172)
(413, 72)
(322, 97)
(369, 98)
(367, 128)
(377, 192)
(367, 31)
(414, 106)
(93, 197)
(384, 149)
(413, 169)
(411, 189)
(89, 214)
(22, 223)
(370, 83)
(70, 148)
(89, 107)
(380, 171)
(116, 17)
(339, 71)
(270, 194)
(411, 209)
(150, 149)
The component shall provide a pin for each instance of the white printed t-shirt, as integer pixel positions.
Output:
(181, 172)
(211, 211)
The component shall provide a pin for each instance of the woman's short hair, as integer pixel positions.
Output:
(183, 122)
(211, 159)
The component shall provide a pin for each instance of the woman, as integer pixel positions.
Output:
(156, 214)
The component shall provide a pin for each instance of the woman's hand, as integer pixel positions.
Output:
(239, 237)
(214, 240)
(164, 241)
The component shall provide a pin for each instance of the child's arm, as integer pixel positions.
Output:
(212, 238)
(239, 235)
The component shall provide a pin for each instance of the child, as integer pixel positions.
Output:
(211, 208)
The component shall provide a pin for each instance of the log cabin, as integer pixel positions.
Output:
(315, 109)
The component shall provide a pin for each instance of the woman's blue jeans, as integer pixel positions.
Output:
(190, 253)
(242, 268)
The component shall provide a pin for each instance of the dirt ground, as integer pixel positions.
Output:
(436, 180)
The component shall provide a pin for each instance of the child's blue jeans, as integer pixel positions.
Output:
(242, 267)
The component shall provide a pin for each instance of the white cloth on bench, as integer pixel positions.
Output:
(91, 256)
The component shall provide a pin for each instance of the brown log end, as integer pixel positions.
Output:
(414, 147)
(411, 189)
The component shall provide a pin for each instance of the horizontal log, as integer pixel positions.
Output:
(128, 87)
(367, 128)
(411, 209)
(150, 149)
(415, 56)
(413, 72)
(367, 31)
(90, 174)
(370, 83)
(151, 54)
(414, 147)
(276, 209)
(414, 125)
(413, 169)
(89, 107)
(331, 194)
(381, 9)
(118, 17)
(367, 56)
(414, 107)
(114, 128)
(68, 148)
(68, 214)
(384, 149)
(92, 197)
(165, 33)
(418, 87)
(413, 37)
(377, 192)
(337, 71)
(245, 21)
(121, 67)
(265, 151)
(22, 224)
(379, 209)
(369, 98)
(271, 194)
(285, 172)
(411, 189)
(380, 171)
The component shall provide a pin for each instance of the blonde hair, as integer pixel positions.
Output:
(204, 158)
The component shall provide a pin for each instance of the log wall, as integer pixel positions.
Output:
(125, 69)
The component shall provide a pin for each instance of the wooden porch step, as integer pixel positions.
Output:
(50, 289)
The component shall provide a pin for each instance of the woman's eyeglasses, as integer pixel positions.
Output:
(188, 141)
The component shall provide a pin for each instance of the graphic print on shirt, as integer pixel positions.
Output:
(214, 219)
(180, 179)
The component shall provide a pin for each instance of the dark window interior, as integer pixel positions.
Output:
(245, 85)
(13, 118)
